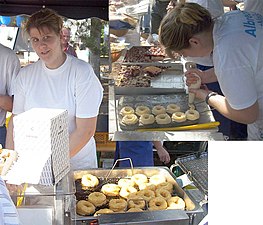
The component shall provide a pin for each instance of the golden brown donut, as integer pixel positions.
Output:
(157, 203)
(163, 119)
(97, 198)
(172, 108)
(125, 182)
(147, 195)
(126, 110)
(85, 208)
(147, 119)
(89, 181)
(110, 189)
(135, 210)
(140, 110)
(192, 114)
(130, 119)
(103, 211)
(158, 109)
(147, 186)
(117, 205)
(157, 179)
(166, 185)
(139, 178)
(136, 203)
(176, 203)
(163, 193)
(127, 190)
(178, 117)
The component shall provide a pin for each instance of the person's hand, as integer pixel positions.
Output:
(163, 155)
(200, 93)
(191, 77)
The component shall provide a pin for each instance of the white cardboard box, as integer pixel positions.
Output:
(41, 139)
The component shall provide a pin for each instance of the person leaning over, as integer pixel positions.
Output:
(236, 49)
(9, 68)
(59, 80)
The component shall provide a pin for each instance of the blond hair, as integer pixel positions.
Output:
(44, 18)
(181, 23)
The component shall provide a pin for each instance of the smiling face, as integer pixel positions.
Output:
(47, 45)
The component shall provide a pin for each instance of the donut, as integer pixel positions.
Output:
(97, 198)
(126, 110)
(157, 179)
(129, 119)
(163, 193)
(178, 117)
(158, 109)
(89, 181)
(166, 185)
(117, 205)
(140, 110)
(125, 182)
(192, 114)
(139, 178)
(85, 208)
(135, 210)
(110, 189)
(157, 203)
(163, 119)
(127, 190)
(136, 203)
(146, 119)
(147, 186)
(103, 211)
(147, 195)
(176, 203)
(172, 108)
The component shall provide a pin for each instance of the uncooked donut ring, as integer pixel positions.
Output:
(85, 208)
(176, 203)
(178, 117)
(97, 198)
(158, 109)
(192, 114)
(140, 110)
(163, 119)
(157, 203)
(157, 179)
(110, 189)
(125, 182)
(89, 181)
(147, 186)
(127, 190)
(147, 119)
(117, 205)
(139, 178)
(172, 108)
(163, 193)
(129, 119)
(126, 110)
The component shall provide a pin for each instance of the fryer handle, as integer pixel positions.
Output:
(123, 159)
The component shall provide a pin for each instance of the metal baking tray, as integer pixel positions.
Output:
(180, 99)
(196, 166)
(191, 206)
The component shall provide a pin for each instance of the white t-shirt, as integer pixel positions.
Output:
(215, 7)
(73, 86)
(9, 68)
(254, 6)
(237, 57)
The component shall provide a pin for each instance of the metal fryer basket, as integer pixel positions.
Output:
(196, 166)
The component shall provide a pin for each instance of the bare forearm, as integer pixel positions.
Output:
(9, 135)
(6, 102)
(246, 116)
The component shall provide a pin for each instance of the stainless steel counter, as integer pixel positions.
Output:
(116, 134)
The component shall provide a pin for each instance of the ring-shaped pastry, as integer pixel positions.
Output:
(126, 110)
(140, 110)
(176, 203)
(97, 198)
(89, 181)
(117, 205)
(130, 119)
(158, 109)
(85, 208)
(157, 203)
(163, 119)
(157, 179)
(147, 119)
(192, 114)
(178, 117)
(172, 108)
